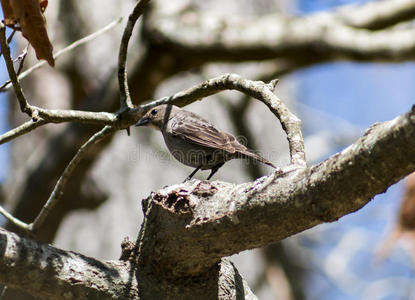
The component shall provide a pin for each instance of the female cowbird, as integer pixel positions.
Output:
(194, 141)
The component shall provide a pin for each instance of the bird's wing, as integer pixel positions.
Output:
(193, 128)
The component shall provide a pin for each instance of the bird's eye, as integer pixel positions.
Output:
(154, 111)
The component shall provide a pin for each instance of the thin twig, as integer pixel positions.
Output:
(9, 39)
(58, 189)
(22, 129)
(13, 220)
(44, 116)
(22, 58)
(24, 105)
(72, 46)
(3, 293)
(125, 99)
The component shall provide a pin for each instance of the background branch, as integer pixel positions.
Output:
(272, 36)
(125, 99)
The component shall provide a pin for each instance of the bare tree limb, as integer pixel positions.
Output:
(376, 15)
(43, 116)
(125, 99)
(277, 36)
(20, 130)
(256, 89)
(74, 276)
(24, 105)
(67, 274)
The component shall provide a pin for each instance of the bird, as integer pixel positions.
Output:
(194, 141)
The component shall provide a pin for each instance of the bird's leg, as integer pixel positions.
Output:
(214, 170)
(193, 173)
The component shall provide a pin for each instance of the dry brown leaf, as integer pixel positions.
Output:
(28, 13)
(9, 18)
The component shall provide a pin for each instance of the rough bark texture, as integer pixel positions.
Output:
(51, 273)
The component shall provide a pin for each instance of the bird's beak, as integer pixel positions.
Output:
(143, 122)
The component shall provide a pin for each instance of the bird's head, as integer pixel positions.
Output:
(156, 117)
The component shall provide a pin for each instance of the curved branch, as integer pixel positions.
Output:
(125, 99)
(256, 89)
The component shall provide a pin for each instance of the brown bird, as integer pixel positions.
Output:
(194, 141)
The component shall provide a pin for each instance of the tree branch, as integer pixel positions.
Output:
(43, 116)
(276, 36)
(376, 15)
(15, 221)
(125, 99)
(24, 105)
(31, 266)
(20, 130)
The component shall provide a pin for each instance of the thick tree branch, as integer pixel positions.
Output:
(31, 266)
(210, 220)
(377, 15)
(275, 36)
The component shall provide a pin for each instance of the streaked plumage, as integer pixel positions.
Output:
(194, 141)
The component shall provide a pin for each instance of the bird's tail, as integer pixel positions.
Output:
(250, 154)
